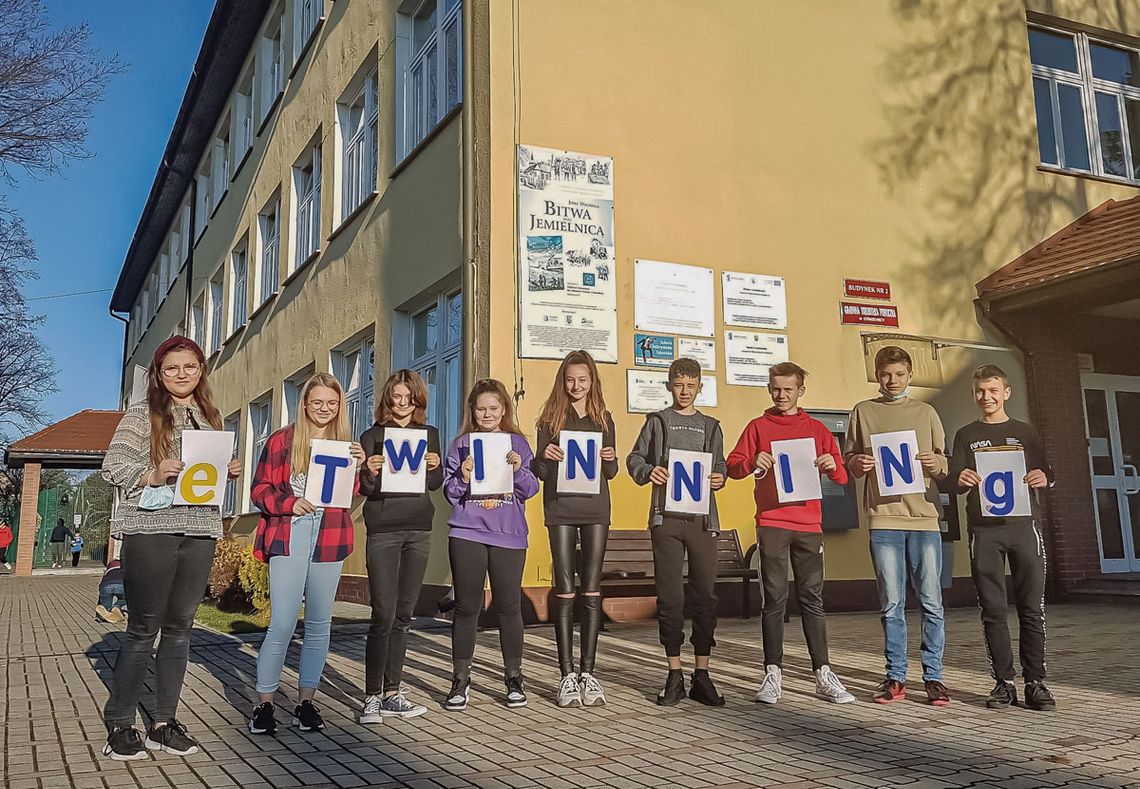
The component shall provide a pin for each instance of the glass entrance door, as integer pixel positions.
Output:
(1112, 423)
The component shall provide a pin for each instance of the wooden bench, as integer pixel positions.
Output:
(629, 561)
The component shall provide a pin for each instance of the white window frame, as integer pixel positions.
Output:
(272, 68)
(198, 320)
(1088, 86)
(244, 130)
(307, 17)
(223, 163)
(164, 279)
(215, 316)
(291, 394)
(422, 105)
(307, 215)
(359, 145)
(269, 250)
(232, 423)
(204, 203)
(135, 328)
(260, 425)
(446, 358)
(354, 365)
(239, 286)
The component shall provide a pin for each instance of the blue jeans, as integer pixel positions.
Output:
(291, 579)
(917, 555)
(112, 595)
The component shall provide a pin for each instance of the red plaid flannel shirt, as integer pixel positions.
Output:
(272, 493)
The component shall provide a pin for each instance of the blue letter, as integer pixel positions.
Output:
(902, 467)
(575, 458)
(477, 451)
(786, 473)
(681, 477)
(405, 454)
(331, 464)
(1003, 504)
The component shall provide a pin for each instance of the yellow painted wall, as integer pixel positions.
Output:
(809, 140)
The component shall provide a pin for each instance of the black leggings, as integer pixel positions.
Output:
(563, 547)
(471, 563)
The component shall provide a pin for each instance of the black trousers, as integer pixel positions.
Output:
(564, 541)
(75, 558)
(164, 576)
(471, 563)
(673, 540)
(1023, 547)
(806, 551)
(396, 561)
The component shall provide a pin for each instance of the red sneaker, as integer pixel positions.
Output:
(889, 690)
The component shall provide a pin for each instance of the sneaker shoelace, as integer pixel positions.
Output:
(592, 685)
(569, 685)
(771, 682)
(829, 681)
(372, 705)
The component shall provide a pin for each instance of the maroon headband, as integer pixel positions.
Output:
(174, 343)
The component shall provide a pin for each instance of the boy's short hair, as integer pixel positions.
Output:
(892, 354)
(787, 369)
(690, 368)
(988, 371)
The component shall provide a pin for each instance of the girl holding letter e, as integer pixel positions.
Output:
(399, 533)
(488, 534)
(304, 544)
(576, 404)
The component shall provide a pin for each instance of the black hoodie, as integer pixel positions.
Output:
(397, 511)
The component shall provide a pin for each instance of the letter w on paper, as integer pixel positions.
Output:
(405, 470)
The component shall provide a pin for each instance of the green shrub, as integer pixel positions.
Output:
(254, 578)
(225, 586)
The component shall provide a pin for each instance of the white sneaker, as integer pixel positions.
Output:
(371, 713)
(829, 688)
(772, 687)
(592, 693)
(7, 566)
(569, 694)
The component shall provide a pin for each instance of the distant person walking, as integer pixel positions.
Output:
(76, 549)
(5, 542)
(59, 537)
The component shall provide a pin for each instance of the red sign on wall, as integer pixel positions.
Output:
(854, 314)
(866, 289)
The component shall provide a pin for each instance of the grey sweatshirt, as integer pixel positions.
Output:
(688, 432)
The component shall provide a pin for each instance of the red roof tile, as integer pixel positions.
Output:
(89, 431)
(1107, 235)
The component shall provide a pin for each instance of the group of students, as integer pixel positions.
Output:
(167, 552)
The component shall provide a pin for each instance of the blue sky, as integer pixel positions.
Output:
(83, 221)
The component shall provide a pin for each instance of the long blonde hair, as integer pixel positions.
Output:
(557, 407)
(160, 403)
(507, 423)
(303, 428)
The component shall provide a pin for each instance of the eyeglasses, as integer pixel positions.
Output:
(323, 405)
(171, 371)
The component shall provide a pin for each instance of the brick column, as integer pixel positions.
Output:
(29, 504)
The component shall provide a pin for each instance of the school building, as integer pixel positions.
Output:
(355, 186)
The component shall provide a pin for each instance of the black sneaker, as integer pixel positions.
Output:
(262, 721)
(516, 696)
(171, 737)
(1039, 697)
(307, 717)
(459, 695)
(124, 744)
(704, 691)
(1003, 695)
(673, 691)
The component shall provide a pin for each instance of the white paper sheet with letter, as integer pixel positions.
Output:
(897, 470)
(583, 453)
(405, 460)
(1003, 490)
(492, 475)
(689, 489)
(797, 477)
(329, 482)
(206, 454)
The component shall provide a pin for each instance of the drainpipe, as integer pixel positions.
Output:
(470, 334)
(126, 335)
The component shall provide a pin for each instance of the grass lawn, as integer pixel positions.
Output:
(237, 622)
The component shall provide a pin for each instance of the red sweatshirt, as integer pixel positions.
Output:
(758, 436)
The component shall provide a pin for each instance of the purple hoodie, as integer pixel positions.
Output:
(503, 525)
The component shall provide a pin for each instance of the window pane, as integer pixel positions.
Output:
(1073, 137)
(425, 332)
(455, 318)
(1052, 50)
(424, 25)
(1111, 534)
(1096, 412)
(1115, 65)
(1046, 135)
(1132, 115)
(453, 407)
(431, 65)
(1111, 134)
(453, 87)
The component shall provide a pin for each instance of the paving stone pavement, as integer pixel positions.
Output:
(57, 661)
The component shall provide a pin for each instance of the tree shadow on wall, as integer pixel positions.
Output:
(962, 145)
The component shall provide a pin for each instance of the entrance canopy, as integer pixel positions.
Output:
(78, 442)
